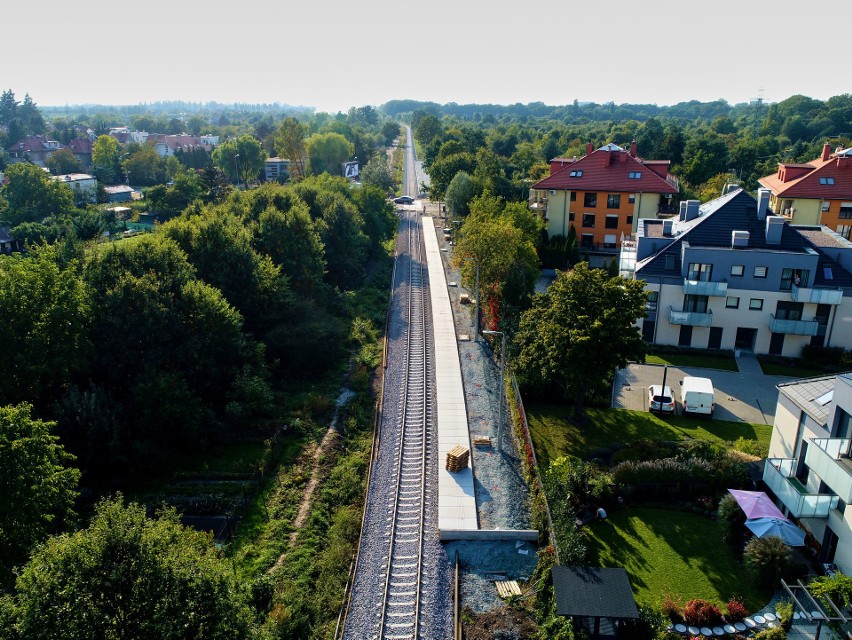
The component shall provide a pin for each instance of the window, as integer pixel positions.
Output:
(697, 304)
(846, 213)
(587, 241)
(844, 230)
(590, 200)
(630, 220)
(826, 180)
(573, 196)
(755, 304)
(631, 198)
(634, 175)
(576, 173)
(737, 270)
(651, 304)
(790, 277)
(589, 220)
(699, 271)
(571, 216)
(670, 263)
(760, 272)
(732, 302)
(613, 201)
(609, 241)
(827, 273)
(611, 222)
(826, 206)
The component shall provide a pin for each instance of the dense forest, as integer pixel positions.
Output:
(506, 147)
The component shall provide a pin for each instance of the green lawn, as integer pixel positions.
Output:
(555, 435)
(791, 371)
(668, 552)
(727, 363)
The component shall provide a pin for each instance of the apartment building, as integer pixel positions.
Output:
(727, 275)
(809, 468)
(816, 192)
(602, 195)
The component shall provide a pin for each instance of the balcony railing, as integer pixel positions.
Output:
(816, 296)
(667, 210)
(703, 288)
(793, 327)
(779, 475)
(691, 318)
(829, 459)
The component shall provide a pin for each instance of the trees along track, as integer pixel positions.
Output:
(400, 609)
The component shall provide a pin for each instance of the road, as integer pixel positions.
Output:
(409, 172)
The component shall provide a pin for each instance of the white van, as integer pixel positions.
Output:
(697, 396)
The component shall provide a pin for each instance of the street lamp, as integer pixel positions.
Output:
(476, 313)
(502, 382)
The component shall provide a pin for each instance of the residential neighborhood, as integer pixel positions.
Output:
(488, 362)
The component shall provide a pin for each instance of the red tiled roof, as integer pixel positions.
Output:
(33, 143)
(80, 145)
(808, 186)
(608, 171)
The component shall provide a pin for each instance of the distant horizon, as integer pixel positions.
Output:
(307, 107)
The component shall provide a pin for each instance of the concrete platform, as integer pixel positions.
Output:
(456, 498)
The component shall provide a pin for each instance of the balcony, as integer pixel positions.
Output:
(702, 288)
(667, 210)
(816, 296)
(829, 459)
(690, 318)
(793, 327)
(779, 475)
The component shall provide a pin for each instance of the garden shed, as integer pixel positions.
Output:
(600, 599)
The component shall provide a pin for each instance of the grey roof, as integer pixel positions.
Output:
(737, 211)
(6, 235)
(593, 592)
(805, 393)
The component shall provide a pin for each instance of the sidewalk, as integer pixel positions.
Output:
(747, 364)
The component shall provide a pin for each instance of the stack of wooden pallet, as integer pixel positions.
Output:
(457, 458)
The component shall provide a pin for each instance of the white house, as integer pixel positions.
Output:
(809, 468)
(84, 185)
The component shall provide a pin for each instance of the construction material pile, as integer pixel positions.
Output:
(458, 458)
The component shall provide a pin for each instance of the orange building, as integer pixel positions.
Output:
(816, 192)
(602, 195)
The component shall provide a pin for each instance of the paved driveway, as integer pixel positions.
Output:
(741, 396)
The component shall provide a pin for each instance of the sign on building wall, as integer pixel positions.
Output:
(350, 169)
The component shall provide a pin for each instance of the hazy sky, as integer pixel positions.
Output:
(332, 54)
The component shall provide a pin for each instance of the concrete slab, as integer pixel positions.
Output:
(456, 495)
(745, 396)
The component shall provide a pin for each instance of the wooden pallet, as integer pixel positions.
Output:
(507, 588)
(482, 441)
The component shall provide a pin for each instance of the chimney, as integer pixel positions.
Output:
(668, 226)
(589, 148)
(691, 209)
(774, 229)
(739, 239)
(681, 213)
(762, 203)
(633, 149)
(826, 151)
(607, 156)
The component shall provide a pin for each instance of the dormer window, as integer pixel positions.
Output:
(576, 173)
(826, 180)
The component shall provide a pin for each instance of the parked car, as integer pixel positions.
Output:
(661, 399)
(697, 395)
(404, 200)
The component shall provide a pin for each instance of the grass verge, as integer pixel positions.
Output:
(554, 434)
(667, 552)
(726, 363)
(771, 368)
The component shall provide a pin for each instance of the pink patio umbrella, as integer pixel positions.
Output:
(757, 504)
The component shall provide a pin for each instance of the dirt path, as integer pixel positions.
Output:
(328, 440)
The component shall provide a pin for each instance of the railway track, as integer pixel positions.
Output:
(399, 617)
